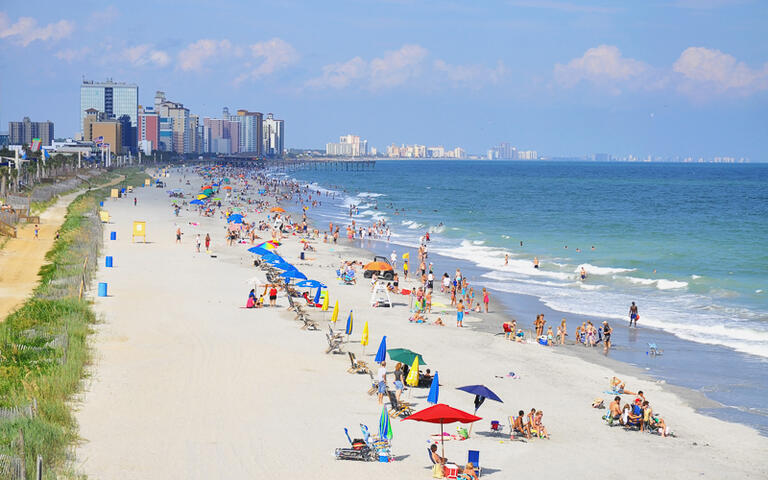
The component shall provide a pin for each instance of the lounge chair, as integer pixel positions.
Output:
(374, 386)
(399, 409)
(334, 344)
(357, 366)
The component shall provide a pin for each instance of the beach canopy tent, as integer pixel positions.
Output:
(258, 251)
(442, 414)
(481, 392)
(310, 284)
(197, 202)
(403, 355)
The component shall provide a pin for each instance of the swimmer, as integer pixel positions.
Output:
(583, 274)
(536, 262)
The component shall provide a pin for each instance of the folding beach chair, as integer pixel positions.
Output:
(473, 457)
(357, 366)
(399, 408)
(334, 344)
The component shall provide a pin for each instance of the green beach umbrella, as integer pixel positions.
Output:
(217, 199)
(385, 427)
(403, 355)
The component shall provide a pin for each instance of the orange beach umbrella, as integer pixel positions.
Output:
(277, 209)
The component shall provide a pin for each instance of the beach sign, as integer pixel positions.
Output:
(115, 193)
(139, 230)
(104, 216)
(146, 182)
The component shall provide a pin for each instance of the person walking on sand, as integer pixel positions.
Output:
(178, 235)
(207, 243)
(393, 259)
(460, 314)
(486, 299)
(198, 242)
(633, 314)
(607, 330)
(381, 381)
(134, 201)
(37, 232)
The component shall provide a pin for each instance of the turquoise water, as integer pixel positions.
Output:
(686, 242)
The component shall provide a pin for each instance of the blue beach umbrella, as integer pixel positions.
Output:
(235, 217)
(293, 274)
(310, 284)
(317, 295)
(434, 390)
(381, 354)
(271, 256)
(348, 330)
(385, 427)
(197, 202)
(285, 266)
(481, 392)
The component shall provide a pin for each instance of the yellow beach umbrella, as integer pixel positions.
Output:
(364, 339)
(202, 197)
(325, 302)
(335, 314)
(413, 375)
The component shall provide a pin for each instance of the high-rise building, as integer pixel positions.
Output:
(149, 129)
(195, 134)
(503, 151)
(251, 131)
(108, 132)
(22, 133)
(165, 140)
(221, 135)
(348, 146)
(183, 140)
(114, 99)
(274, 131)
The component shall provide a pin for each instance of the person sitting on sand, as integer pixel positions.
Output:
(508, 330)
(614, 409)
(439, 322)
(252, 302)
(538, 426)
(417, 318)
(520, 336)
(519, 426)
(619, 387)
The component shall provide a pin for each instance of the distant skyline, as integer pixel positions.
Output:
(566, 78)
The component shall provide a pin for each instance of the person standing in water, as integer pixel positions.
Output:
(536, 263)
(506, 259)
(583, 274)
(633, 315)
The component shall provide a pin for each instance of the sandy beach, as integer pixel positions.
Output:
(188, 384)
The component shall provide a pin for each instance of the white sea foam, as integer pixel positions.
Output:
(595, 270)
(478, 242)
(663, 284)
(437, 229)
(370, 194)
(695, 277)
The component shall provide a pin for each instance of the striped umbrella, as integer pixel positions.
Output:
(349, 324)
(385, 427)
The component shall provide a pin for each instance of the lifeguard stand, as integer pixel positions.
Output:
(139, 230)
(380, 295)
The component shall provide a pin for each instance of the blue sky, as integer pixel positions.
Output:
(667, 77)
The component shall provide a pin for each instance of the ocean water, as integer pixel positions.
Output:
(686, 242)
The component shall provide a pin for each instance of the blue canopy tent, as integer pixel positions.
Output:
(260, 251)
(235, 217)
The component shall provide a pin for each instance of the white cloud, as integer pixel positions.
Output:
(470, 76)
(145, 54)
(26, 30)
(390, 70)
(105, 15)
(273, 55)
(70, 55)
(605, 67)
(707, 71)
(196, 55)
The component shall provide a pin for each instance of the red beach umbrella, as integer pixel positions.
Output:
(442, 414)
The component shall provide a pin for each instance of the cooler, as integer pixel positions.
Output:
(451, 471)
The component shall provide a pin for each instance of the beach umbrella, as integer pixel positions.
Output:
(442, 414)
(405, 356)
(235, 217)
(385, 427)
(226, 180)
(381, 354)
(378, 266)
(364, 338)
(434, 390)
(413, 374)
(309, 283)
(202, 197)
(197, 202)
(217, 199)
(335, 313)
(317, 295)
(227, 187)
(481, 392)
(325, 304)
(406, 256)
(208, 191)
(277, 209)
(259, 251)
(293, 274)
(348, 330)
(285, 266)
(269, 255)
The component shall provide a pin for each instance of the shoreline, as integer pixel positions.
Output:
(525, 307)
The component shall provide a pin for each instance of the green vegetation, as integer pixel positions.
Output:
(43, 345)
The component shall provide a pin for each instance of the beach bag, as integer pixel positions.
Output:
(249, 303)
(437, 471)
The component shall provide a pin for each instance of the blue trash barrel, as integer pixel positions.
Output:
(109, 261)
(101, 204)
(113, 235)
(102, 289)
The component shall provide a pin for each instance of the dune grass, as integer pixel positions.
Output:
(44, 344)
